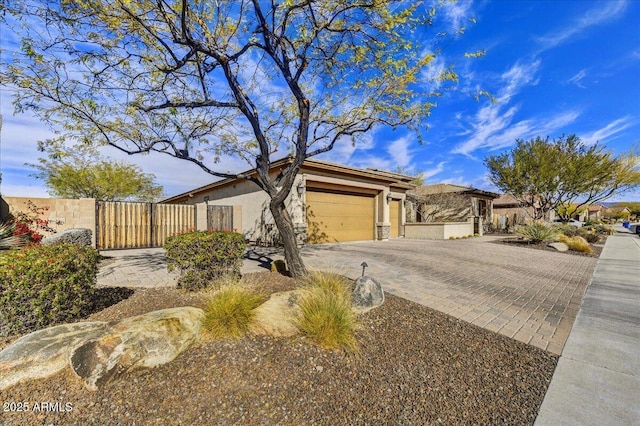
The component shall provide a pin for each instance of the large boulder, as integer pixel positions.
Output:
(45, 352)
(276, 317)
(367, 294)
(80, 236)
(147, 340)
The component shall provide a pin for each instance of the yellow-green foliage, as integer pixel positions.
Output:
(577, 243)
(326, 314)
(329, 282)
(230, 311)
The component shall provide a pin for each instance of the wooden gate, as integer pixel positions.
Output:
(122, 225)
(220, 218)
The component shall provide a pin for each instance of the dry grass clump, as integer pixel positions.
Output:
(229, 311)
(577, 243)
(326, 314)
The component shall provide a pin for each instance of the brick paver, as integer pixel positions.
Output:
(529, 295)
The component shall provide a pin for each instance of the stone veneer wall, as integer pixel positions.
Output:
(62, 214)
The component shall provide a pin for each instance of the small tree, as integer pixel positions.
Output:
(549, 175)
(199, 79)
(80, 172)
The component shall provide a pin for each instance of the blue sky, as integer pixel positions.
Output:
(554, 67)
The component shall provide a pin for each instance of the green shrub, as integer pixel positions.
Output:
(230, 311)
(204, 256)
(603, 229)
(591, 237)
(577, 243)
(568, 230)
(45, 285)
(538, 232)
(326, 314)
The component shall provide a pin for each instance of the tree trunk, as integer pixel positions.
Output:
(288, 237)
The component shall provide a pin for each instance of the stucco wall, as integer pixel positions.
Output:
(62, 214)
(438, 230)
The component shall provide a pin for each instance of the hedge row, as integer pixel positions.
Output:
(202, 256)
(45, 285)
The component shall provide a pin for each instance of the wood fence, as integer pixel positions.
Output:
(123, 225)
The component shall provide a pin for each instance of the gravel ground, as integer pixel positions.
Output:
(415, 366)
(597, 248)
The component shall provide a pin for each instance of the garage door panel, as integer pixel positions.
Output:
(394, 218)
(334, 217)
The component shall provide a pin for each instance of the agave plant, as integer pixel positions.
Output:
(7, 238)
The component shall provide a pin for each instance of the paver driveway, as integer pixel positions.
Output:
(530, 295)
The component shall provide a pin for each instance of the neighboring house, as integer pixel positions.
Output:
(446, 202)
(328, 203)
(617, 213)
(508, 212)
(596, 212)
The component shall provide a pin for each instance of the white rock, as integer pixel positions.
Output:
(559, 246)
(43, 353)
(367, 294)
(146, 340)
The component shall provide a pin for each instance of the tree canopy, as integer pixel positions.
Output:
(200, 80)
(80, 172)
(552, 175)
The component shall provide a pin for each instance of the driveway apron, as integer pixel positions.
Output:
(529, 295)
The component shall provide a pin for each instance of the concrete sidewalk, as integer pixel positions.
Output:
(597, 380)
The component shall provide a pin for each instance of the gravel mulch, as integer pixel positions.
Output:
(519, 242)
(415, 366)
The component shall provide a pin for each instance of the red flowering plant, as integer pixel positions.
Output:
(29, 225)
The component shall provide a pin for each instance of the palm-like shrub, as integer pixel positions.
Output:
(8, 239)
(538, 232)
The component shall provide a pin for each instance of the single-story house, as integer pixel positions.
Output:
(328, 203)
(617, 212)
(508, 212)
(595, 212)
(446, 202)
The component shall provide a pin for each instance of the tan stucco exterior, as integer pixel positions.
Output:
(256, 220)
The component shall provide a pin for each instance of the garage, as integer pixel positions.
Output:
(339, 216)
(394, 218)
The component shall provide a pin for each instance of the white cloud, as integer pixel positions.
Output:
(457, 12)
(603, 12)
(577, 79)
(429, 173)
(399, 151)
(608, 131)
(493, 126)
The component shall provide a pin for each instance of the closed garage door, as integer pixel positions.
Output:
(394, 218)
(334, 217)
